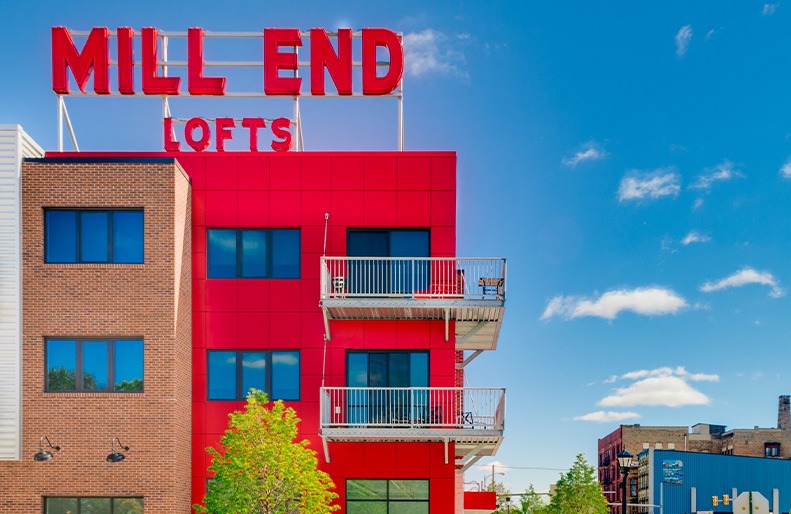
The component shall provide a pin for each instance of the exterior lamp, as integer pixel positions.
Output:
(42, 455)
(624, 462)
(114, 455)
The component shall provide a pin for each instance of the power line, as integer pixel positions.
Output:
(532, 467)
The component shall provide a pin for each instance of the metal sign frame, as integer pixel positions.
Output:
(164, 63)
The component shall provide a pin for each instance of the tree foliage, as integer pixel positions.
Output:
(62, 379)
(504, 500)
(262, 470)
(578, 492)
(532, 503)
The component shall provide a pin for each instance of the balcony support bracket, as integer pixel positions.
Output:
(326, 449)
(325, 315)
(474, 330)
(469, 464)
(469, 359)
(447, 322)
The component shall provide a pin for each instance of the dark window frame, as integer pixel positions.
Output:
(389, 232)
(387, 370)
(110, 234)
(388, 500)
(239, 254)
(771, 449)
(240, 395)
(79, 388)
(79, 502)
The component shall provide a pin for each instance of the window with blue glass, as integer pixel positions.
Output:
(371, 372)
(403, 267)
(93, 236)
(231, 374)
(94, 365)
(253, 253)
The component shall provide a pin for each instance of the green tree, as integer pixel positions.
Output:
(262, 470)
(62, 379)
(505, 503)
(532, 503)
(578, 491)
(136, 384)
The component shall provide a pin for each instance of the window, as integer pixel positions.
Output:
(387, 496)
(232, 374)
(93, 505)
(632, 487)
(253, 253)
(772, 449)
(385, 369)
(94, 365)
(391, 276)
(101, 236)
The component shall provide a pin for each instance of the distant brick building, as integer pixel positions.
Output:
(700, 438)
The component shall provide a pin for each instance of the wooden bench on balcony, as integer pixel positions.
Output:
(493, 286)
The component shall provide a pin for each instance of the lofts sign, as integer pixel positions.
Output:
(280, 67)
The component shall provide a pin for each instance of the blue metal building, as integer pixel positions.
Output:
(677, 482)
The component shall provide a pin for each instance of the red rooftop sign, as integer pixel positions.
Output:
(280, 65)
(95, 57)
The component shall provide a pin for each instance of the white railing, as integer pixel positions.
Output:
(413, 407)
(416, 278)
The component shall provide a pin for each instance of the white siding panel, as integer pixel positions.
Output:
(15, 144)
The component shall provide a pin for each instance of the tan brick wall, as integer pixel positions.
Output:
(152, 300)
(751, 441)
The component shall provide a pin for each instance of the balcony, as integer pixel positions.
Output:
(472, 418)
(470, 292)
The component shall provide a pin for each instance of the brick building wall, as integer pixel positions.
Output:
(752, 442)
(150, 300)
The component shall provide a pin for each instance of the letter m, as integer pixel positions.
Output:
(95, 56)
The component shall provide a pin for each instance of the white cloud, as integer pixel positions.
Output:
(607, 416)
(785, 169)
(697, 204)
(649, 301)
(769, 9)
(590, 151)
(667, 391)
(683, 37)
(679, 371)
(710, 34)
(722, 172)
(665, 386)
(432, 52)
(745, 277)
(695, 237)
(637, 185)
(488, 466)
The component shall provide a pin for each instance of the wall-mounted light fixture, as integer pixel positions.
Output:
(43, 455)
(114, 455)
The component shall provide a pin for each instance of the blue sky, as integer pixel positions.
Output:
(628, 158)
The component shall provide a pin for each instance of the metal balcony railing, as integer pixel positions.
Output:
(449, 408)
(413, 278)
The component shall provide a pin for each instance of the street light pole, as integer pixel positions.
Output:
(625, 462)
(492, 484)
